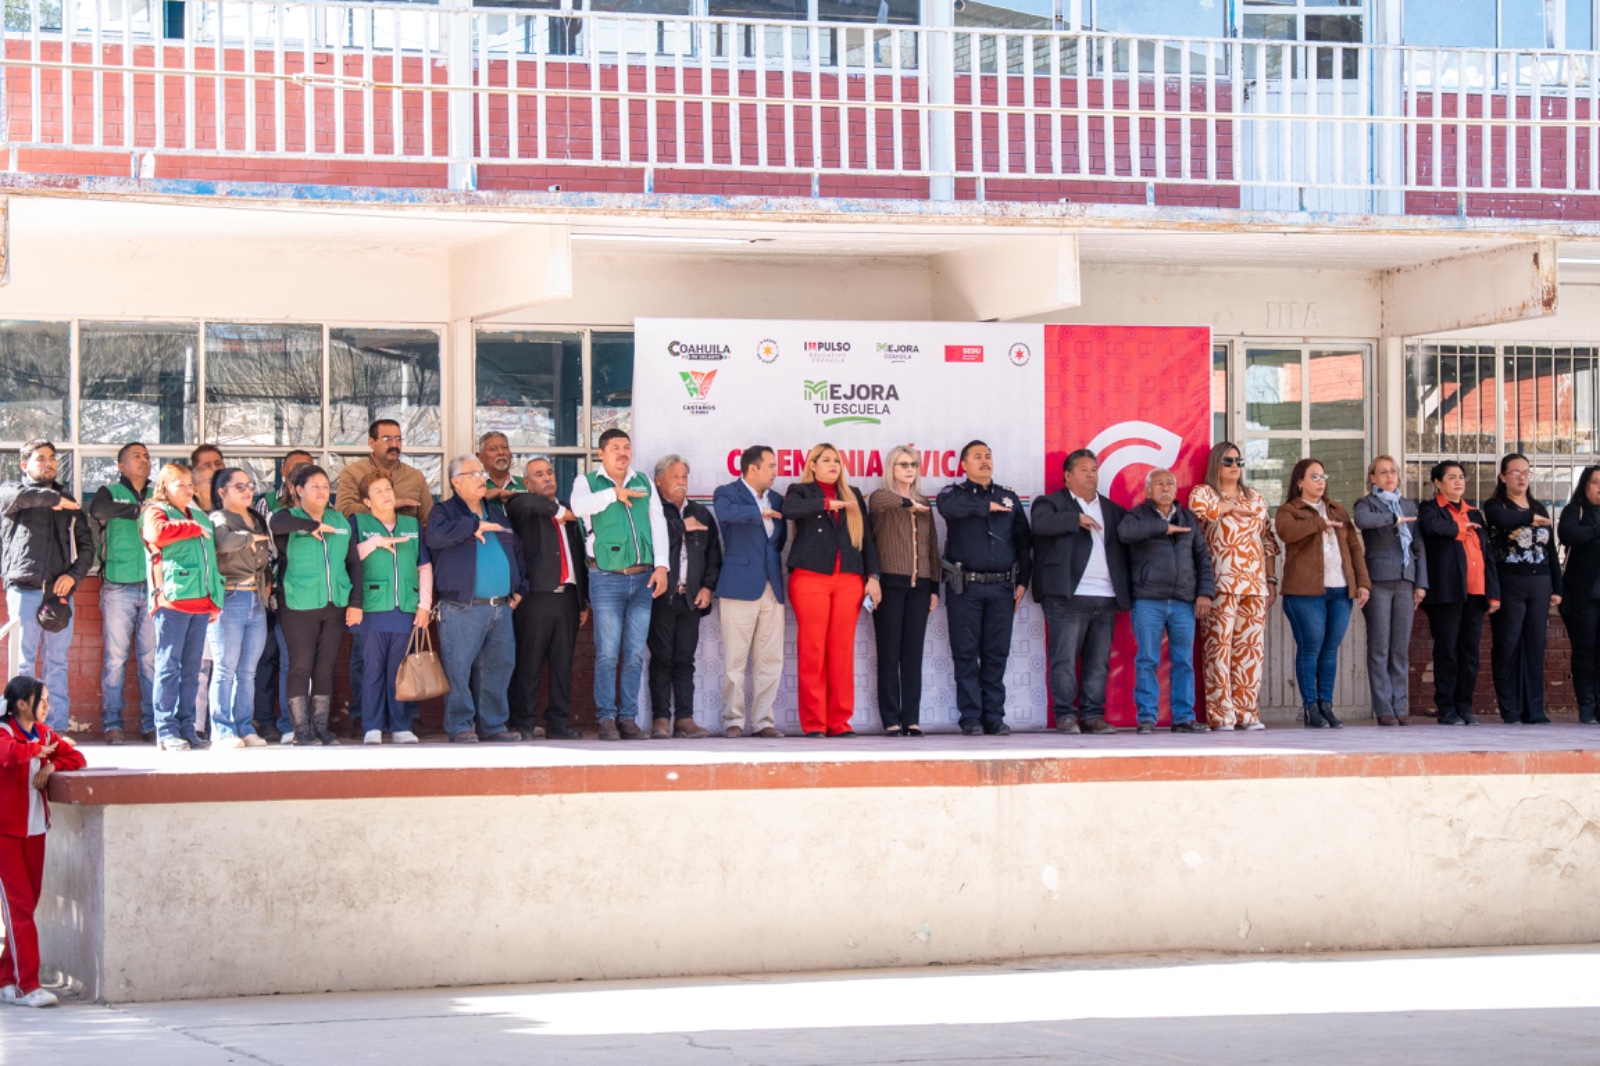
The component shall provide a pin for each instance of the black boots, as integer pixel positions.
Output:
(1313, 717)
(1325, 709)
(300, 717)
(321, 710)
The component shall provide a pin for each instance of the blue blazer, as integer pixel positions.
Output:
(750, 558)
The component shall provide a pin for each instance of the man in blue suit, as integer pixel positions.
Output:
(750, 589)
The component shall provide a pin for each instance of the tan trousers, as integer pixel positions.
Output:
(1235, 651)
(752, 630)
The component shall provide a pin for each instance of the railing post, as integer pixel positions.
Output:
(459, 109)
(941, 93)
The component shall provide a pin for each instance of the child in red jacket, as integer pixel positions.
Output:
(30, 752)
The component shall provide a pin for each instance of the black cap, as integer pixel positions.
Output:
(55, 613)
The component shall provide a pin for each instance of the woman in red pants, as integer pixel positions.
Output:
(832, 565)
(30, 752)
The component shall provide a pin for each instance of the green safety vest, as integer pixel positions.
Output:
(122, 558)
(313, 570)
(621, 534)
(515, 484)
(390, 582)
(189, 566)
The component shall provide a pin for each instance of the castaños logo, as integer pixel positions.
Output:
(698, 352)
(827, 351)
(698, 383)
(857, 403)
(898, 353)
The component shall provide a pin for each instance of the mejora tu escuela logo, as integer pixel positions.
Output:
(698, 352)
(856, 403)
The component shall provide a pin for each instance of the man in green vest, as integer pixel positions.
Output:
(126, 628)
(625, 538)
(494, 452)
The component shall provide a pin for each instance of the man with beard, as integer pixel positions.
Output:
(494, 452)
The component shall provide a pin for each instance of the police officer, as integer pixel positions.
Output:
(987, 566)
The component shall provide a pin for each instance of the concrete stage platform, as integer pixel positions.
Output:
(363, 868)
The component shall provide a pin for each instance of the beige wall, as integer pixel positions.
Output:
(192, 900)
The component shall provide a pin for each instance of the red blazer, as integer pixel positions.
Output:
(17, 751)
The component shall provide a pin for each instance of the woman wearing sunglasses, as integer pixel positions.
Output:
(1244, 556)
(1324, 573)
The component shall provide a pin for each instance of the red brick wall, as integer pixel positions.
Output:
(1558, 697)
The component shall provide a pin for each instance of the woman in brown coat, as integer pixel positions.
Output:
(1324, 576)
(908, 556)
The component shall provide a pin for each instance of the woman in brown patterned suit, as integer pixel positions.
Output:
(908, 556)
(1244, 554)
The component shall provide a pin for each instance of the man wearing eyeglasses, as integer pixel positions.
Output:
(1081, 570)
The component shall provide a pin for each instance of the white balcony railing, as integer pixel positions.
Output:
(921, 109)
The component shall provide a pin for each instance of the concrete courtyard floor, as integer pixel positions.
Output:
(1499, 1006)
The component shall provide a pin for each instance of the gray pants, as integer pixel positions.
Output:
(1389, 613)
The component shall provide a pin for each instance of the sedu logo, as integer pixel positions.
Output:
(857, 404)
(1136, 443)
(699, 352)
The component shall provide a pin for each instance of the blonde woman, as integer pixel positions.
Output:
(908, 552)
(1244, 554)
(833, 563)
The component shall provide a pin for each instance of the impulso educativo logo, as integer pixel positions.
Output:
(857, 403)
(697, 383)
(698, 352)
(827, 351)
(899, 353)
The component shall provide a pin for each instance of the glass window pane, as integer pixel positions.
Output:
(1007, 14)
(1450, 23)
(567, 467)
(1272, 388)
(530, 387)
(1522, 23)
(1270, 28)
(35, 385)
(1346, 465)
(384, 373)
(1157, 18)
(1338, 388)
(882, 12)
(140, 381)
(1219, 393)
(1580, 25)
(431, 466)
(11, 467)
(611, 401)
(263, 385)
(757, 9)
(1268, 464)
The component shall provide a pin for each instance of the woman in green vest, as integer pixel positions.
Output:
(317, 568)
(396, 599)
(185, 597)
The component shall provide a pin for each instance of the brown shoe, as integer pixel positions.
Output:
(538, 732)
(689, 729)
(769, 733)
(1098, 725)
(660, 729)
(1068, 724)
(608, 729)
(114, 736)
(733, 732)
(1387, 719)
(629, 729)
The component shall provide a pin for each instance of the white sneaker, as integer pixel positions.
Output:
(405, 736)
(373, 736)
(287, 738)
(254, 741)
(10, 995)
(39, 997)
(1253, 726)
(175, 744)
(227, 743)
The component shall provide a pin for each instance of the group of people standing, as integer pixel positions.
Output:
(219, 593)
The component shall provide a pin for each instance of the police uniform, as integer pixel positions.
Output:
(993, 550)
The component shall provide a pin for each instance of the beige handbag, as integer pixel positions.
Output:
(421, 674)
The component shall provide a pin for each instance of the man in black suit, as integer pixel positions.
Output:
(557, 604)
(694, 559)
(1080, 576)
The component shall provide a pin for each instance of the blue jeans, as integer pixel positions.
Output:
(383, 653)
(180, 644)
(236, 639)
(284, 724)
(1173, 619)
(23, 604)
(128, 632)
(622, 607)
(481, 635)
(1318, 624)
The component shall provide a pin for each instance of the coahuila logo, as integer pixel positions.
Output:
(697, 383)
(898, 353)
(700, 352)
(827, 351)
(858, 404)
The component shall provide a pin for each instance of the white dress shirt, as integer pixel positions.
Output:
(761, 505)
(1096, 579)
(586, 503)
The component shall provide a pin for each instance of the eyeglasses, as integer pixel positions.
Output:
(905, 466)
(1233, 461)
(1318, 477)
(245, 486)
(481, 475)
(386, 439)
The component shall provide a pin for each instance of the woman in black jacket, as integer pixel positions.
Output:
(1579, 532)
(833, 566)
(1462, 589)
(1522, 543)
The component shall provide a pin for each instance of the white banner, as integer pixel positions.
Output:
(707, 389)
